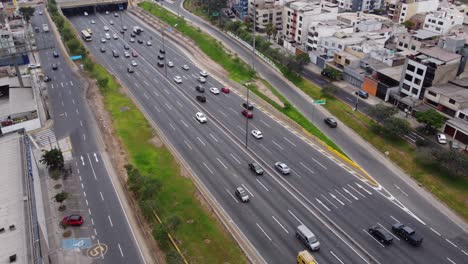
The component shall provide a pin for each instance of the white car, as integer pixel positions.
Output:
(148, 43)
(204, 73)
(202, 79)
(111, 22)
(132, 40)
(282, 167)
(107, 12)
(108, 36)
(214, 90)
(134, 63)
(103, 40)
(257, 134)
(170, 64)
(201, 117)
(34, 66)
(185, 67)
(85, 13)
(106, 28)
(178, 79)
(127, 54)
(40, 13)
(93, 22)
(115, 36)
(441, 138)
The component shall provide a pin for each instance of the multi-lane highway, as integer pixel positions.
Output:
(322, 192)
(105, 221)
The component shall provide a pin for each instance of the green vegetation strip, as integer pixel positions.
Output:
(238, 70)
(199, 235)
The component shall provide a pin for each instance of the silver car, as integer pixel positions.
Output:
(242, 194)
(282, 167)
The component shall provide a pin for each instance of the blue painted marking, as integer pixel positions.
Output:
(76, 243)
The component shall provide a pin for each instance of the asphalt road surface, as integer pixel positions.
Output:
(105, 221)
(321, 192)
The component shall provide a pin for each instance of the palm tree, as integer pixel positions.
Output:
(270, 30)
(53, 158)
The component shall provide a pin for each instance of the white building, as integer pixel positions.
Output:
(402, 10)
(322, 29)
(266, 12)
(441, 22)
(359, 5)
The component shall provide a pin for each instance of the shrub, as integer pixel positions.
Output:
(173, 257)
(160, 234)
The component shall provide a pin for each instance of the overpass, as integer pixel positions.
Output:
(69, 4)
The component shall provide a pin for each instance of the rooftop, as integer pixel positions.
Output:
(440, 54)
(12, 200)
(457, 93)
(20, 100)
(424, 34)
(392, 72)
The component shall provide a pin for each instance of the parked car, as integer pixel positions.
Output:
(54, 66)
(132, 40)
(34, 66)
(242, 194)
(148, 43)
(106, 28)
(140, 41)
(257, 134)
(103, 49)
(170, 64)
(126, 47)
(381, 234)
(362, 94)
(103, 40)
(160, 64)
(130, 69)
(55, 54)
(247, 113)
(441, 138)
(282, 167)
(161, 57)
(331, 122)
(255, 167)
(111, 22)
(134, 53)
(47, 78)
(201, 98)
(134, 63)
(73, 220)
(162, 51)
(127, 54)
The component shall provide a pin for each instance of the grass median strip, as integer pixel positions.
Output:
(162, 187)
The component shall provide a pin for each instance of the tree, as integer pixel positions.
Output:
(26, 12)
(332, 73)
(395, 126)
(234, 26)
(270, 30)
(173, 257)
(381, 112)
(408, 24)
(61, 197)
(53, 158)
(431, 118)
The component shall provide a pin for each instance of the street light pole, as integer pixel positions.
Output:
(357, 101)
(165, 66)
(253, 67)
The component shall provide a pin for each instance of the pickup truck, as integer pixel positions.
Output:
(407, 234)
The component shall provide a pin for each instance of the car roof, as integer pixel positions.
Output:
(74, 217)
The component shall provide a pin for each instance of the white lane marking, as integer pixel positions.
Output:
(451, 243)
(71, 83)
(235, 159)
(432, 229)
(146, 83)
(203, 143)
(348, 192)
(307, 168)
(168, 106)
(188, 145)
(52, 86)
(319, 163)
(320, 202)
(391, 233)
(343, 196)
(398, 187)
(221, 163)
(77, 112)
(73, 101)
(208, 168)
(95, 157)
(356, 190)
(110, 220)
(241, 128)
(155, 81)
(81, 123)
(84, 194)
(82, 160)
(359, 186)
(92, 221)
(61, 84)
(183, 76)
(232, 110)
(121, 253)
(222, 112)
(84, 137)
(62, 103)
(165, 90)
(156, 93)
(170, 124)
(278, 145)
(251, 194)
(185, 124)
(213, 137)
(395, 219)
(333, 254)
(263, 231)
(102, 197)
(230, 194)
(157, 109)
(179, 103)
(265, 123)
(334, 197)
(290, 142)
(295, 217)
(264, 187)
(261, 145)
(285, 230)
(464, 252)
(66, 115)
(92, 168)
(373, 238)
(146, 96)
(451, 261)
(329, 201)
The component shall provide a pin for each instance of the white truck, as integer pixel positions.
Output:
(45, 27)
(137, 30)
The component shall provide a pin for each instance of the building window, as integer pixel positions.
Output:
(299, 32)
(451, 101)
(440, 23)
(347, 62)
(406, 87)
(333, 44)
(326, 43)
(417, 81)
(265, 20)
(400, 44)
(426, 25)
(432, 93)
(414, 91)
(408, 77)
(300, 25)
(420, 71)
(340, 46)
(411, 67)
(406, 45)
(413, 47)
(437, 28)
(279, 14)
(298, 39)
(300, 18)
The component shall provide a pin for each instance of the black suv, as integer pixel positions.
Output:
(255, 167)
(140, 41)
(161, 57)
(381, 234)
(162, 51)
(201, 98)
(248, 106)
(160, 64)
(331, 122)
(200, 89)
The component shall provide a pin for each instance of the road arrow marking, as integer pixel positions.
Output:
(95, 157)
(82, 161)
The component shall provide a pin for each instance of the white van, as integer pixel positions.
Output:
(307, 237)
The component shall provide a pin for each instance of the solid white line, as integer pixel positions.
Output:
(222, 112)
(336, 198)
(170, 124)
(77, 112)
(343, 196)
(89, 211)
(71, 83)
(102, 197)
(61, 84)
(185, 124)
(356, 190)
(234, 111)
(278, 145)
(63, 103)
(295, 217)
(264, 187)
(319, 163)
(221, 163)
(146, 83)
(391, 233)
(464, 252)
(395, 219)
(86, 202)
(333, 254)
(73, 101)
(435, 231)
(320, 202)
(451, 261)
(307, 168)
(155, 81)
(121, 253)
(84, 137)
(329, 201)
(95, 231)
(188, 145)
(110, 220)
(251, 194)
(213, 137)
(92, 168)
(263, 231)
(265, 123)
(373, 238)
(208, 168)
(285, 230)
(235, 159)
(230, 194)
(289, 141)
(92, 221)
(451, 243)
(261, 145)
(360, 186)
(84, 193)
(203, 143)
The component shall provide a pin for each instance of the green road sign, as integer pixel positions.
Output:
(320, 102)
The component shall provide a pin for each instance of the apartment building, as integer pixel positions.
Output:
(322, 29)
(441, 22)
(402, 10)
(358, 5)
(240, 7)
(415, 40)
(266, 12)
(297, 16)
(428, 67)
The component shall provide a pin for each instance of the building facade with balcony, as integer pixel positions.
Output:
(266, 12)
(441, 22)
(240, 8)
(358, 5)
(402, 10)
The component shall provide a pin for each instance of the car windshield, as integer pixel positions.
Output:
(313, 239)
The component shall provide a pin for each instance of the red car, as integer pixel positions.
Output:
(247, 113)
(225, 90)
(73, 220)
